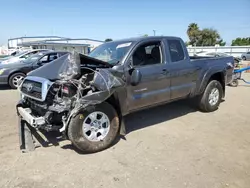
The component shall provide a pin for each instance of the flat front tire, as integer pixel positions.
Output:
(210, 100)
(94, 128)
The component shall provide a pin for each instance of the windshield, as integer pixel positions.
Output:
(32, 59)
(20, 53)
(111, 52)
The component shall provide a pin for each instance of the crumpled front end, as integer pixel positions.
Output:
(50, 99)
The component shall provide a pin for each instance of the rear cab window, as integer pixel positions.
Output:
(176, 50)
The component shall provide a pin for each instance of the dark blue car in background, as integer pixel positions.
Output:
(13, 73)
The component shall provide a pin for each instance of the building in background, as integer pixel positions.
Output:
(81, 45)
(18, 42)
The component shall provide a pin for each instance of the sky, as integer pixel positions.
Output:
(117, 19)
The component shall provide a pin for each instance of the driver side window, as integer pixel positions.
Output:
(147, 54)
(44, 59)
(52, 57)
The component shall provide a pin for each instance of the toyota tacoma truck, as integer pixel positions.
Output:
(85, 97)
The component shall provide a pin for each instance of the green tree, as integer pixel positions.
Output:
(221, 42)
(241, 42)
(193, 33)
(204, 37)
(208, 37)
(108, 40)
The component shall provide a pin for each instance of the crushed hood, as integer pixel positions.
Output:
(68, 67)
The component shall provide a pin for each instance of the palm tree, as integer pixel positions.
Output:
(192, 27)
(193, 32)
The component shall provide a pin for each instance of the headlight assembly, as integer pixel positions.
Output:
(5, 62)
(2, 71)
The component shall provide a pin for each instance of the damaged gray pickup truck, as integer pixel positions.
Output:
(86, 97)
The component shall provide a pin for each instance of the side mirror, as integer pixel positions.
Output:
(135, 77)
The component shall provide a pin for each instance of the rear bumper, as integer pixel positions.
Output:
(3, 79)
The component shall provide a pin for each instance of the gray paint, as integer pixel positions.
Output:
(161, 83)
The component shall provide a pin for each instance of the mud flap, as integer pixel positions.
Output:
(26, 140)
(31, 138)
(122, 128)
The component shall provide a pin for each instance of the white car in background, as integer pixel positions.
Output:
(211, 54)
(21, 56)
(217, 54)
(245, 56)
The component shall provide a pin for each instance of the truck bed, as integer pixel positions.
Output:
(223, 62)
(203, 57)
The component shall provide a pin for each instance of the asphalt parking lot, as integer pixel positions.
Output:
(168, 146)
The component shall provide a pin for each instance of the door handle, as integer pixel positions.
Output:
(165, 71)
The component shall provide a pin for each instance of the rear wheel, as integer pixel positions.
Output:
(234, 83)
(95, 128)
(210, 100)
(16, 79)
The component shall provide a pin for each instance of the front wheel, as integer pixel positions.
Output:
(16, 79)
(94, 128)
(210, 100)
(244, 58)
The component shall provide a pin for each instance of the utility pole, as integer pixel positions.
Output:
(154, 32)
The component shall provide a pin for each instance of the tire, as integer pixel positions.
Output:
(78, 136)
(13, 79)
(234, 83)
(204, 100)
(244, 58)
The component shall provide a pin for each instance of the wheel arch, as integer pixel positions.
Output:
(114, 101)
(219, 76)
(9, 81)
(14, 72)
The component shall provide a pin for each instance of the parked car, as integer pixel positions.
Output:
(237, 60)
(245, 56)
(86, 97)
(13, 73)
(13, 53)
(3, 56)
(21, 56)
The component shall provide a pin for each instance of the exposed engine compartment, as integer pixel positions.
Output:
(57, 100)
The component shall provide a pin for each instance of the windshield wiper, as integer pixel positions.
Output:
(116, 62)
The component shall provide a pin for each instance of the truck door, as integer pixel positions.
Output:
(182, 73)
(154, 86)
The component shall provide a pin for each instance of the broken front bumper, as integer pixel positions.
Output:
(29, 138)
(25, 114)
(26, 124)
